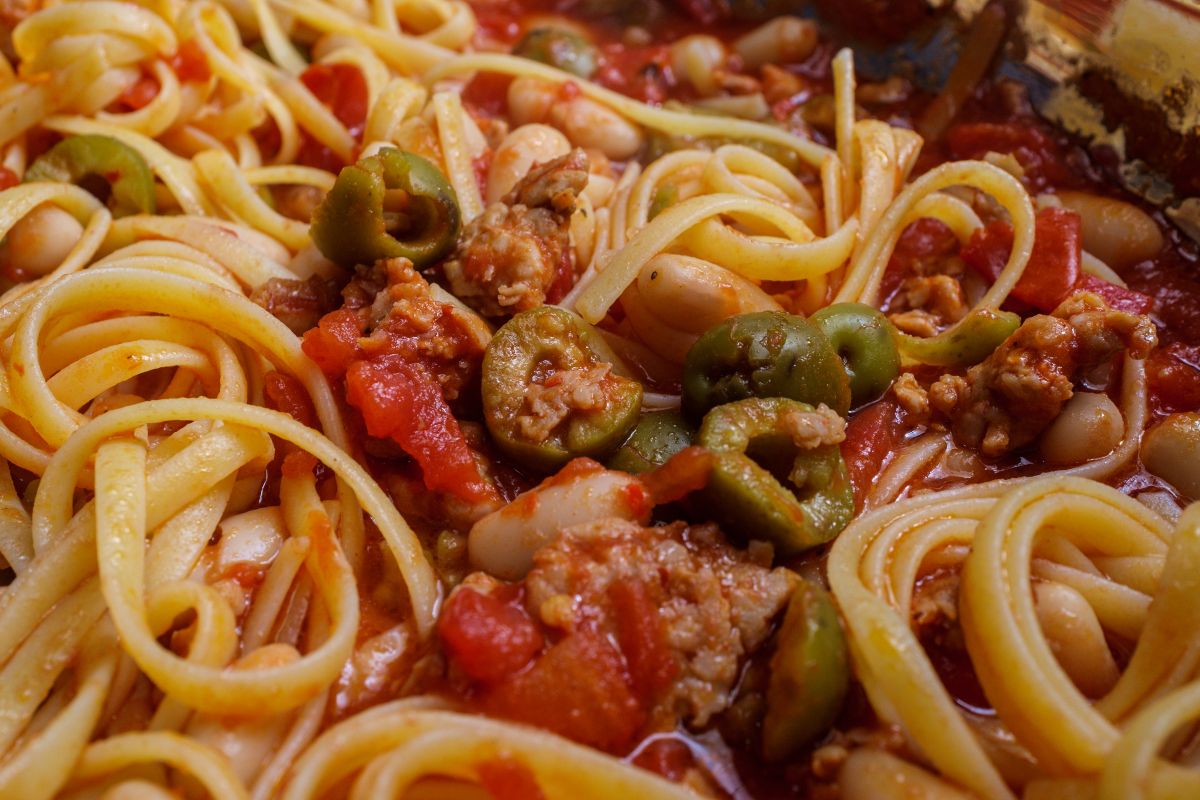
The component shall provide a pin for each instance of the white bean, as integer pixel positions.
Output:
(589, 124)
(40, 240)
(1076, 637)
(1119, 234)
(697, 59)
(250, 539)
(521, 149)
(693, 295)
(1089, 426)
(783, 40)
(530, 99)
(503, 543)
(1171, 450)
(870, 774)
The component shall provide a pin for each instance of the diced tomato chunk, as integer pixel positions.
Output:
(333, 344)
(564, 278)
(641, 72)
(1173, 374)
(343, 89)
(1037, 153)
(190, 63)
(508, 779)
(285, 393)
(1053, 268)
(8, 178)
(687, 471)
(643, 639)
(871, 434)
(486, 636)
(402, 401)
(577, 689)
(922, 246)
(487, 93)
(1118, 297)
(139, 95)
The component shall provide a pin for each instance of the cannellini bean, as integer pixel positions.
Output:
(1119, 234)
(521, 149)
(869, 774)
(697, 59)
(251, 539)
(782, 40)
(1171, 450)
(589, 124)
(1075, 636)
(530, 99)
(1089, 426)
(503, 543)
(693, 295)
(661, 339)
(40, 240)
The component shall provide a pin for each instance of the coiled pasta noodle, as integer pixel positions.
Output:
(1134, 572)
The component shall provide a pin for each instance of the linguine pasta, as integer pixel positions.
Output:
(219, 579)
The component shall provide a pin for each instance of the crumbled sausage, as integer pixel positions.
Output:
(565, 392)
(817, 428)
(1006, 401)
(297, 201)
(510, 256)
(928, 303)
(297, 304)
(912, 396)
(715, 603)
(401, 315)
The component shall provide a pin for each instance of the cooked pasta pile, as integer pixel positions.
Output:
(192, 525)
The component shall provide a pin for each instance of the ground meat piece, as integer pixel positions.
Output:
(297, 304)
(297, 201)
(565, 392)
(401, 315)
(912, 396)
(511, 255)
(715, 603)
(935, 601)
(928, 303)
(1005, 402)
(817, 428)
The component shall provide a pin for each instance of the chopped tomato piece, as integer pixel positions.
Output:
(343, 89)
(1173, 373)
(578, 689)
(508, 779)
(487, 94)
(685, 472)
(1118, 297)
(643, 639)
(139, 95)
(1037, 153)
(641, 72)
(1053, 268)
(285, 393)
(333, 344)
(922, 246)
(190, 63)
(8, 178)
(870, 436)
(486, 636)
(564, 278)
(402, 401)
